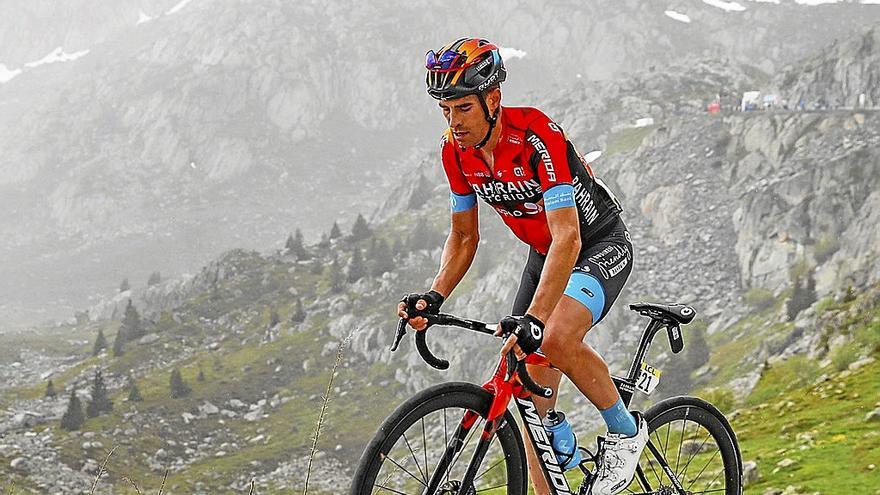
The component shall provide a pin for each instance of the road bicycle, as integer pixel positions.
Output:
(461, 439)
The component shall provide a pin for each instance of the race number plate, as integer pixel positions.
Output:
(648, 379)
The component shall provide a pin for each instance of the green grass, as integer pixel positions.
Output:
(832, 413)
(627, 139)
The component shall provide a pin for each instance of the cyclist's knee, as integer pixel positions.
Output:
(553, 346)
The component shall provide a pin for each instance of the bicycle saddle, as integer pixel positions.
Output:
(672, 313)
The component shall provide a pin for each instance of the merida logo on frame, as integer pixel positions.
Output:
(545, 450)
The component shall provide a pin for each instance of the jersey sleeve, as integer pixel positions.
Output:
(461, 197)
(549, 157)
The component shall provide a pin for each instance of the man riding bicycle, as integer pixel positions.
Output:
(521, 163)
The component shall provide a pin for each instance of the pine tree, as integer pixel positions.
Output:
(100, 402)
(295, 246)
(337, 279)
(131, 322)
(179, 388)
(381, 258)
(134, 394)
(335, 233)
(124, 286)
(356, 269)
(324, 243)
(360, 230)
(119, 342)
(73, 417)
(50, 389)
(155, 279)
(299, 314)
(100, 343)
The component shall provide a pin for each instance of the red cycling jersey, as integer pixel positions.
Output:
(535, 169)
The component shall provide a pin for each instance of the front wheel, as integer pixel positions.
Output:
(691, 450)
(434, 444)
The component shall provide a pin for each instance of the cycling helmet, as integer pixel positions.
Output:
(468, 66)
(465, 67)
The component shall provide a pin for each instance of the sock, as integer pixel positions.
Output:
(619, 420)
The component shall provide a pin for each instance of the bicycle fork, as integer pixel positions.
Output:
(453, 451)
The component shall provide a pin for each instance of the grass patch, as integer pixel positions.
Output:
(628, 139)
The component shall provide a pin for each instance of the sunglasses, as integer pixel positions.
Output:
(445, 62)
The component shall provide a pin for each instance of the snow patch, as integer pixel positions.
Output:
(57, 55)
(677, 16)
(508, 53)
(870, 2)
(177, 7)
(6, 74)
(815, 2)
(142, 18)
(728, 6)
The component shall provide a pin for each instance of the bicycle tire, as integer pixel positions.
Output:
(717, 437)
(456, 396)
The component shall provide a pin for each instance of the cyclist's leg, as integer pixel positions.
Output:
(597, 279)
(543, 375)
(549, 378)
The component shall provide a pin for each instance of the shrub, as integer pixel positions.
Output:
(179, 387)
(759, 298)
(825, 248)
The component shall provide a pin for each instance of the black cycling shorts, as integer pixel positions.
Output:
(597, 278)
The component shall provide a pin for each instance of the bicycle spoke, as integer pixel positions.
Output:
(499, 461)
(405, 470)
(392, 490)
(680, 440)
(492, 487)
(704, 467)
(413, 454)
(693, 456)
(665, 447)
(651, 465)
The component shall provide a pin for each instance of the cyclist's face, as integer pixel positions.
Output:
(466, 118)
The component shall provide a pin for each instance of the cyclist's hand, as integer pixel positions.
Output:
(524, 334)
(428, 302)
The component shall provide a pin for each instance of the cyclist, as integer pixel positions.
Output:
(521, 163)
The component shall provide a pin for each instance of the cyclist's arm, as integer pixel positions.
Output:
(459, 251)
(562, 255)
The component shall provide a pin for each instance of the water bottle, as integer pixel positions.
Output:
(562, 439)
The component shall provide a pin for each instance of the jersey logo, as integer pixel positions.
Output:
(519, 172)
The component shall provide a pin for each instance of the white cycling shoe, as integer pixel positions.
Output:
(619, 460)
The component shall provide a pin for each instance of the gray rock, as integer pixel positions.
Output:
(148, 339)
(750, 472)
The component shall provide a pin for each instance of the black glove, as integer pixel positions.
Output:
(529, 331)
(432, 297)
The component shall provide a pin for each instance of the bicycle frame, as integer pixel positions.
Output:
(504, 388)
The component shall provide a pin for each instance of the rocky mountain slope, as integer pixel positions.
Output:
(764, 221)
(154, 140)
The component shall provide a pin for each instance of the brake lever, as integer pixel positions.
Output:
(401, 331)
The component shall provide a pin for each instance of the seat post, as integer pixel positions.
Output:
(653, 327)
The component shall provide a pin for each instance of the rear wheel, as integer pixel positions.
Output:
(692, 450)
(434, 442)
